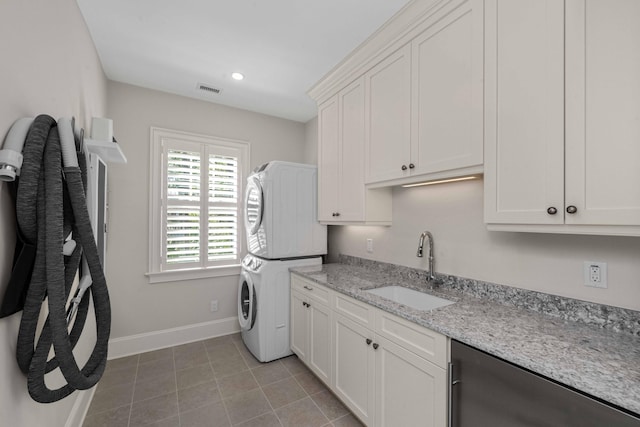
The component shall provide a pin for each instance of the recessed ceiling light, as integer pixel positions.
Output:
(237, 76)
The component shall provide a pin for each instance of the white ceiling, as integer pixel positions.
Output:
(282, 46)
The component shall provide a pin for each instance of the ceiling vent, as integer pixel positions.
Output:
(209, 89)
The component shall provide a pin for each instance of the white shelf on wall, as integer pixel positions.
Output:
(108, 151)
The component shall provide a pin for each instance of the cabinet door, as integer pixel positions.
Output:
(320, 341)
(351, 183)
(328, 159)
(388, 109)
(447, 93)
(409, 390)
(354, 370)
(299, 326)
(603, 111)
(524, 111)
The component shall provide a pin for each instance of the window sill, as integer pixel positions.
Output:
(193, 274)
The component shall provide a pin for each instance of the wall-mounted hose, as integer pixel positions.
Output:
(58, 214)
(11, 159)
(11, 153)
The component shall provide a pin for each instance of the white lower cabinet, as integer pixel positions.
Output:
(311, 333)
(386, 370)
(320, 341)
(410, 391)
(354, 367)
(299, 327)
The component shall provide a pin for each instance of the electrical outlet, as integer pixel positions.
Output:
(214, 305)
(595, 274)
(370, 245)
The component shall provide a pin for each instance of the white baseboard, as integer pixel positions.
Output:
(80, 408)
(134, 344)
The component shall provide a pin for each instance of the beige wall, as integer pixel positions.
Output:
(463, 246)
(140, 307)
(311, 142)
(49, 65)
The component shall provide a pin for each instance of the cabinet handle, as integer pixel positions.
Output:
(552, 210)
(368, 341)
(404, 167)
(571, 209)
(411, 166)
(308, 288)
(375, 346)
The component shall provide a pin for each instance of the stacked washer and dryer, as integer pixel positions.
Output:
(282, 231)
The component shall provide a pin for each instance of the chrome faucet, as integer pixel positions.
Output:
(431, 277)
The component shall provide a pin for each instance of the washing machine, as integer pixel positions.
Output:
(281, 205)
(263, 305)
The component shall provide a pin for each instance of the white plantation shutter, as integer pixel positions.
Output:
(198, 202)
(183, 206)
(223, 211)
(183, 234)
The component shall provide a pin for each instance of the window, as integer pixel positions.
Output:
(196, 193)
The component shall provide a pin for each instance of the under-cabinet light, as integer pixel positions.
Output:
(237, 76)
(442, 181)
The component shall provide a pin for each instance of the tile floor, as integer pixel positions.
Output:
(214, 383)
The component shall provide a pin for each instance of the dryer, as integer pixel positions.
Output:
(263, 305)
(281, 205)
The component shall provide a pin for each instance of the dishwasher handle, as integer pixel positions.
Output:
(450, 383)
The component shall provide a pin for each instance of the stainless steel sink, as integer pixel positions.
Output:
(410, 297)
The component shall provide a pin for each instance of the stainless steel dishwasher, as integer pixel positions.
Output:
(486, 391)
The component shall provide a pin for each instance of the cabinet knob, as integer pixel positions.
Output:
(552, 210)
(375, 346)
(404, 167)
(571, 209)
(337, 213)
(411, 166)
(333, 214)
(368, 341)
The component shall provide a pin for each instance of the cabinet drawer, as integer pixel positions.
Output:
(359, 312)
(310, 289)
(428, 344)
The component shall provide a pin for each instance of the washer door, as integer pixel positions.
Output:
(254, 204)
(247, 302)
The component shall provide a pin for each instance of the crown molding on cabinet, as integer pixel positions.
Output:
(397, 31)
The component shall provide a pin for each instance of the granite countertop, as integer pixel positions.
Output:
(600, 362)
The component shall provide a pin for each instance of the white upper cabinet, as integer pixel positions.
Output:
(447, 93)
(424, 102)
(524, 109)
(329, 159)
(423, 96)
(342, 197)
(603, 112)
(562, 116)
(388, 117)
